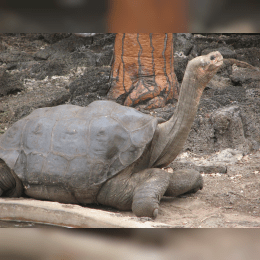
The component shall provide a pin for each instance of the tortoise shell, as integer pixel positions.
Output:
(76, 147)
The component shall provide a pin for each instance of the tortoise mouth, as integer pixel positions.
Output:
(218, 61)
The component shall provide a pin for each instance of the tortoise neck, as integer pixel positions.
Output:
(173, 133)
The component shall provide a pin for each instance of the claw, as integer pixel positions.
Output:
(155, 213)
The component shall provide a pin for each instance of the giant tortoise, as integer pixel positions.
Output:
(104, 153)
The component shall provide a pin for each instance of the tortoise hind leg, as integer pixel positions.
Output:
(184, 181)
(10, 184)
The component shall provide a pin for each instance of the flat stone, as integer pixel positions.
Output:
(67, 215)
(228, 156)
(211, 168)
(215, 163)
(204, 168)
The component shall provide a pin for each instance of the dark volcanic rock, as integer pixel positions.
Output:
(9, 84)
(14, 56)
(85, 99)
(183, 52)
(226, 69)
(95, 80)
(180, 64)
(249, 55)
(41, 70)
(245, 75)
(184, 42)
(65, 48)
(243, 40)
(51, 37)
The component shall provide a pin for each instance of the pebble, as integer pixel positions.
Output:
(212, 174)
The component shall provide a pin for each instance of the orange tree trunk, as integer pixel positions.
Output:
(148, 16)
(143, 70)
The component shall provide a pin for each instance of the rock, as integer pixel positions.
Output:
(180, 64)
(247, 41)
(163, 112)
(226, 69)
(219, 83)
(244, 75)
(85, 34)
(14, 56)
(201, 137)
(221, 118)
(37, 94)
(183, 52)
(253, 92)
(9, 84)
(206, 42)
(105, 57)
(42, 54)
(228, 128)
(249, 55)
(198, 163)
(94, 80)
(211, 168)
(51, 37)
(41, 70)
(71, 50)
(233, 95)
(85, 99)
(184, 43)
(214, 163)
(100, 40)
(103, 47)
(227, 156)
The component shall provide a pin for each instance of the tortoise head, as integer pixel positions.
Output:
(205, 67)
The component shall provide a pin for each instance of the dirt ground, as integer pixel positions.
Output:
(227, 200)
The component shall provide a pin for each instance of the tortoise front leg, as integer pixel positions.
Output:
(140, 191)
(148, 193)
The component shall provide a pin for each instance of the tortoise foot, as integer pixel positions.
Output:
(148, 194)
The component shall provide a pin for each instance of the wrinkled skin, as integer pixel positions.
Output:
(137, 185)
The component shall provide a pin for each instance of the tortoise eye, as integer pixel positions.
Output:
(212, 57)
